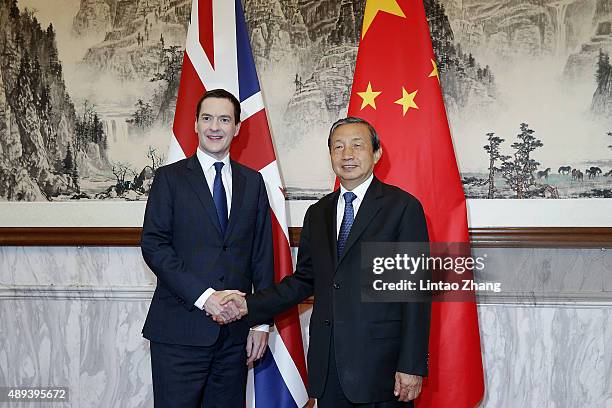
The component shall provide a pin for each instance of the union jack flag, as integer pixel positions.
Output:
(218, 55)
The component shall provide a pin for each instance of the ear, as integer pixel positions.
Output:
(378, 154)
(237, 129)
(195, 126)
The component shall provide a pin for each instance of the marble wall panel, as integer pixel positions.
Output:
(39, 344)
(115, 368)
(544, 356)
(73, 266)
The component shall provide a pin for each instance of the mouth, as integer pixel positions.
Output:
(349, 167)
(215, 137)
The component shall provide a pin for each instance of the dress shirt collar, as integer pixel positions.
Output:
(207, 161)
(360, 190)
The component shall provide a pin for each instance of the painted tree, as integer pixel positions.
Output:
(517, 170)
(75, 177)
(68, 161)
(55, 65)
(492, 150)
(603, 68)
(98, 130)
(14, 9)
(70, 168)
(171, 62)
(143, 116)
(121, 170)
(441, 34)
(89, 128)
(157, 158)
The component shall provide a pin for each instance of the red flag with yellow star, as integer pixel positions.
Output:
(397, 89)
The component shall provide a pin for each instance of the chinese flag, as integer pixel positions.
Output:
(397, 89)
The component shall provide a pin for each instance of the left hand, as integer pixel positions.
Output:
(407, 386)
(257, 341)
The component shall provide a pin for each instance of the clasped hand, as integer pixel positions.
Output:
(226, 306)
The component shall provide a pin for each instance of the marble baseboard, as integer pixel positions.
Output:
(77, 292)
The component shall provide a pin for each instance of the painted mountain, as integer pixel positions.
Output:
(86, 102)
(87, 93)
(548, 132)
(306, 51)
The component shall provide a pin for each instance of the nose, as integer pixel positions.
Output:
(347, 153)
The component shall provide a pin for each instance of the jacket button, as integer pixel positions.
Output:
(327, 322)
(336, 286)
(221, 278)
(225, 247)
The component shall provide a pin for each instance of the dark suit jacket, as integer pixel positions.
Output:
(372, 340)
(182, 244)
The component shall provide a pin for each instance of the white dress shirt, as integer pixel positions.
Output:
(208, 167)
(360, 192)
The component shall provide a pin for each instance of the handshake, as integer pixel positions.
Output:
(226, 306)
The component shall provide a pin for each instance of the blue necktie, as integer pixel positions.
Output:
(219, 197)
(347, 221)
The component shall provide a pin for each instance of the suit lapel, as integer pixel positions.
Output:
(195, 177)
(367, 210)
(331, 227)
(238, 187)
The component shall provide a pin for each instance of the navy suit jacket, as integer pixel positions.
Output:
(182, 244)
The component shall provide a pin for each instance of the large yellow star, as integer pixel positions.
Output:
(372, 9)
(368, 97)
(407, 100)
(434, 73)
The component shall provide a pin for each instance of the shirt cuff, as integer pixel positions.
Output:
(203, 298)
(261, 327)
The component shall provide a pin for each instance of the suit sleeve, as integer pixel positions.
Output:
(265, 304)
(416, 316)
(262, 259)
(157, 246)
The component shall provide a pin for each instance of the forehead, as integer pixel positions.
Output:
(351, 131)
(217, 106)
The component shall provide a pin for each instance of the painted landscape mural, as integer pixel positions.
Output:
(87, 94)
(88, 90)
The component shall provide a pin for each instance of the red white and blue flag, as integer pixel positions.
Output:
(218, 55)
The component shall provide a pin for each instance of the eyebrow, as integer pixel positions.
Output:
(220, 116)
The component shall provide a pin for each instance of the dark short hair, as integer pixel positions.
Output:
(349, 120)
(221, 94)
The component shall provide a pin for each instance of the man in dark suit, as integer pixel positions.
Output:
(207, 227)
(359, 353)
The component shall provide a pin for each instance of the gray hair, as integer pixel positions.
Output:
(349, 120)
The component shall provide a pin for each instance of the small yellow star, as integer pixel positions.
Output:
(372, 9)
(368, 97)
(407, 100)
(434, 73)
